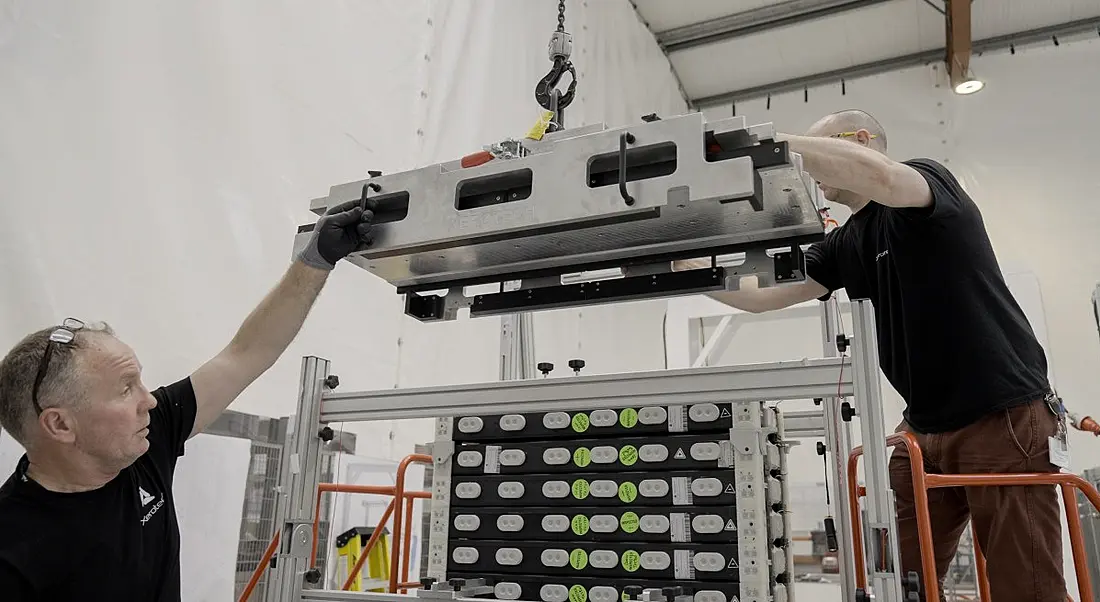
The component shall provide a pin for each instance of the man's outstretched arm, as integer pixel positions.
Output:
(269, 329)
(758, 300)
(851, 166)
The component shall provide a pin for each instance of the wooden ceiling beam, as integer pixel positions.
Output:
(958, 40)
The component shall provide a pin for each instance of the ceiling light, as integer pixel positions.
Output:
(969, 86)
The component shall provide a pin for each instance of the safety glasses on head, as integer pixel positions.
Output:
(62, 335)
(851, 134)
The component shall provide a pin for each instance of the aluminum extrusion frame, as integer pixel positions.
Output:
(880, 529)
(838, 442)
(803, 379)
(299, 474)
(800, 379)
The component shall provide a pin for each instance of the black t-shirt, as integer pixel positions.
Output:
(120, 542)
(952, 339)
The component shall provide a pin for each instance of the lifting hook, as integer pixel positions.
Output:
(559, 49)
(550, 81)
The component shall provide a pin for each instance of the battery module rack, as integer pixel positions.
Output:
(658, 452)
(711, 488)
(646, 420)
(647, 530)
(604, 589)
(597, 504)
(655, 524)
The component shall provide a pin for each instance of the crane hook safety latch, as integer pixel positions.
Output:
(546, 85)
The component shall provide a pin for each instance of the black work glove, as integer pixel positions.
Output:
(341, 230)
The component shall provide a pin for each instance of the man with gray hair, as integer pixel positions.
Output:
(101, 448)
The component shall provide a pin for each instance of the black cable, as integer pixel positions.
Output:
(840, 318)
(830, 525)
(938, 9)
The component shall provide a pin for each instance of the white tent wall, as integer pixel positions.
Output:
(157, 158)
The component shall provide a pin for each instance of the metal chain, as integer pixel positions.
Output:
(559, 49)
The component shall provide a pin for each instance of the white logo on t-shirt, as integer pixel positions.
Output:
(146, 498)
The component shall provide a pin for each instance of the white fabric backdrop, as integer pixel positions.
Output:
(156, 159)
(210, 516)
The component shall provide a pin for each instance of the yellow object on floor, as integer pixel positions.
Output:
(349, 547)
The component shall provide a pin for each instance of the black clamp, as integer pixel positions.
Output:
(842, 343)
(847, 412)
(910, 585)
(830, 534)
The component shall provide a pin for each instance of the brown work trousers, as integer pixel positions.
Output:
(1018, 528)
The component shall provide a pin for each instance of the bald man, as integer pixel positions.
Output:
(952, 341)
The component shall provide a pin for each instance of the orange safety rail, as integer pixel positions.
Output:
(397, 491)
(407, 544)
(920, 494)
(399, 497)
(410, 497)
(260, 568)
(922, 482)
(378, 533)
(341, 488)
(365, 552)
(979, 566)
